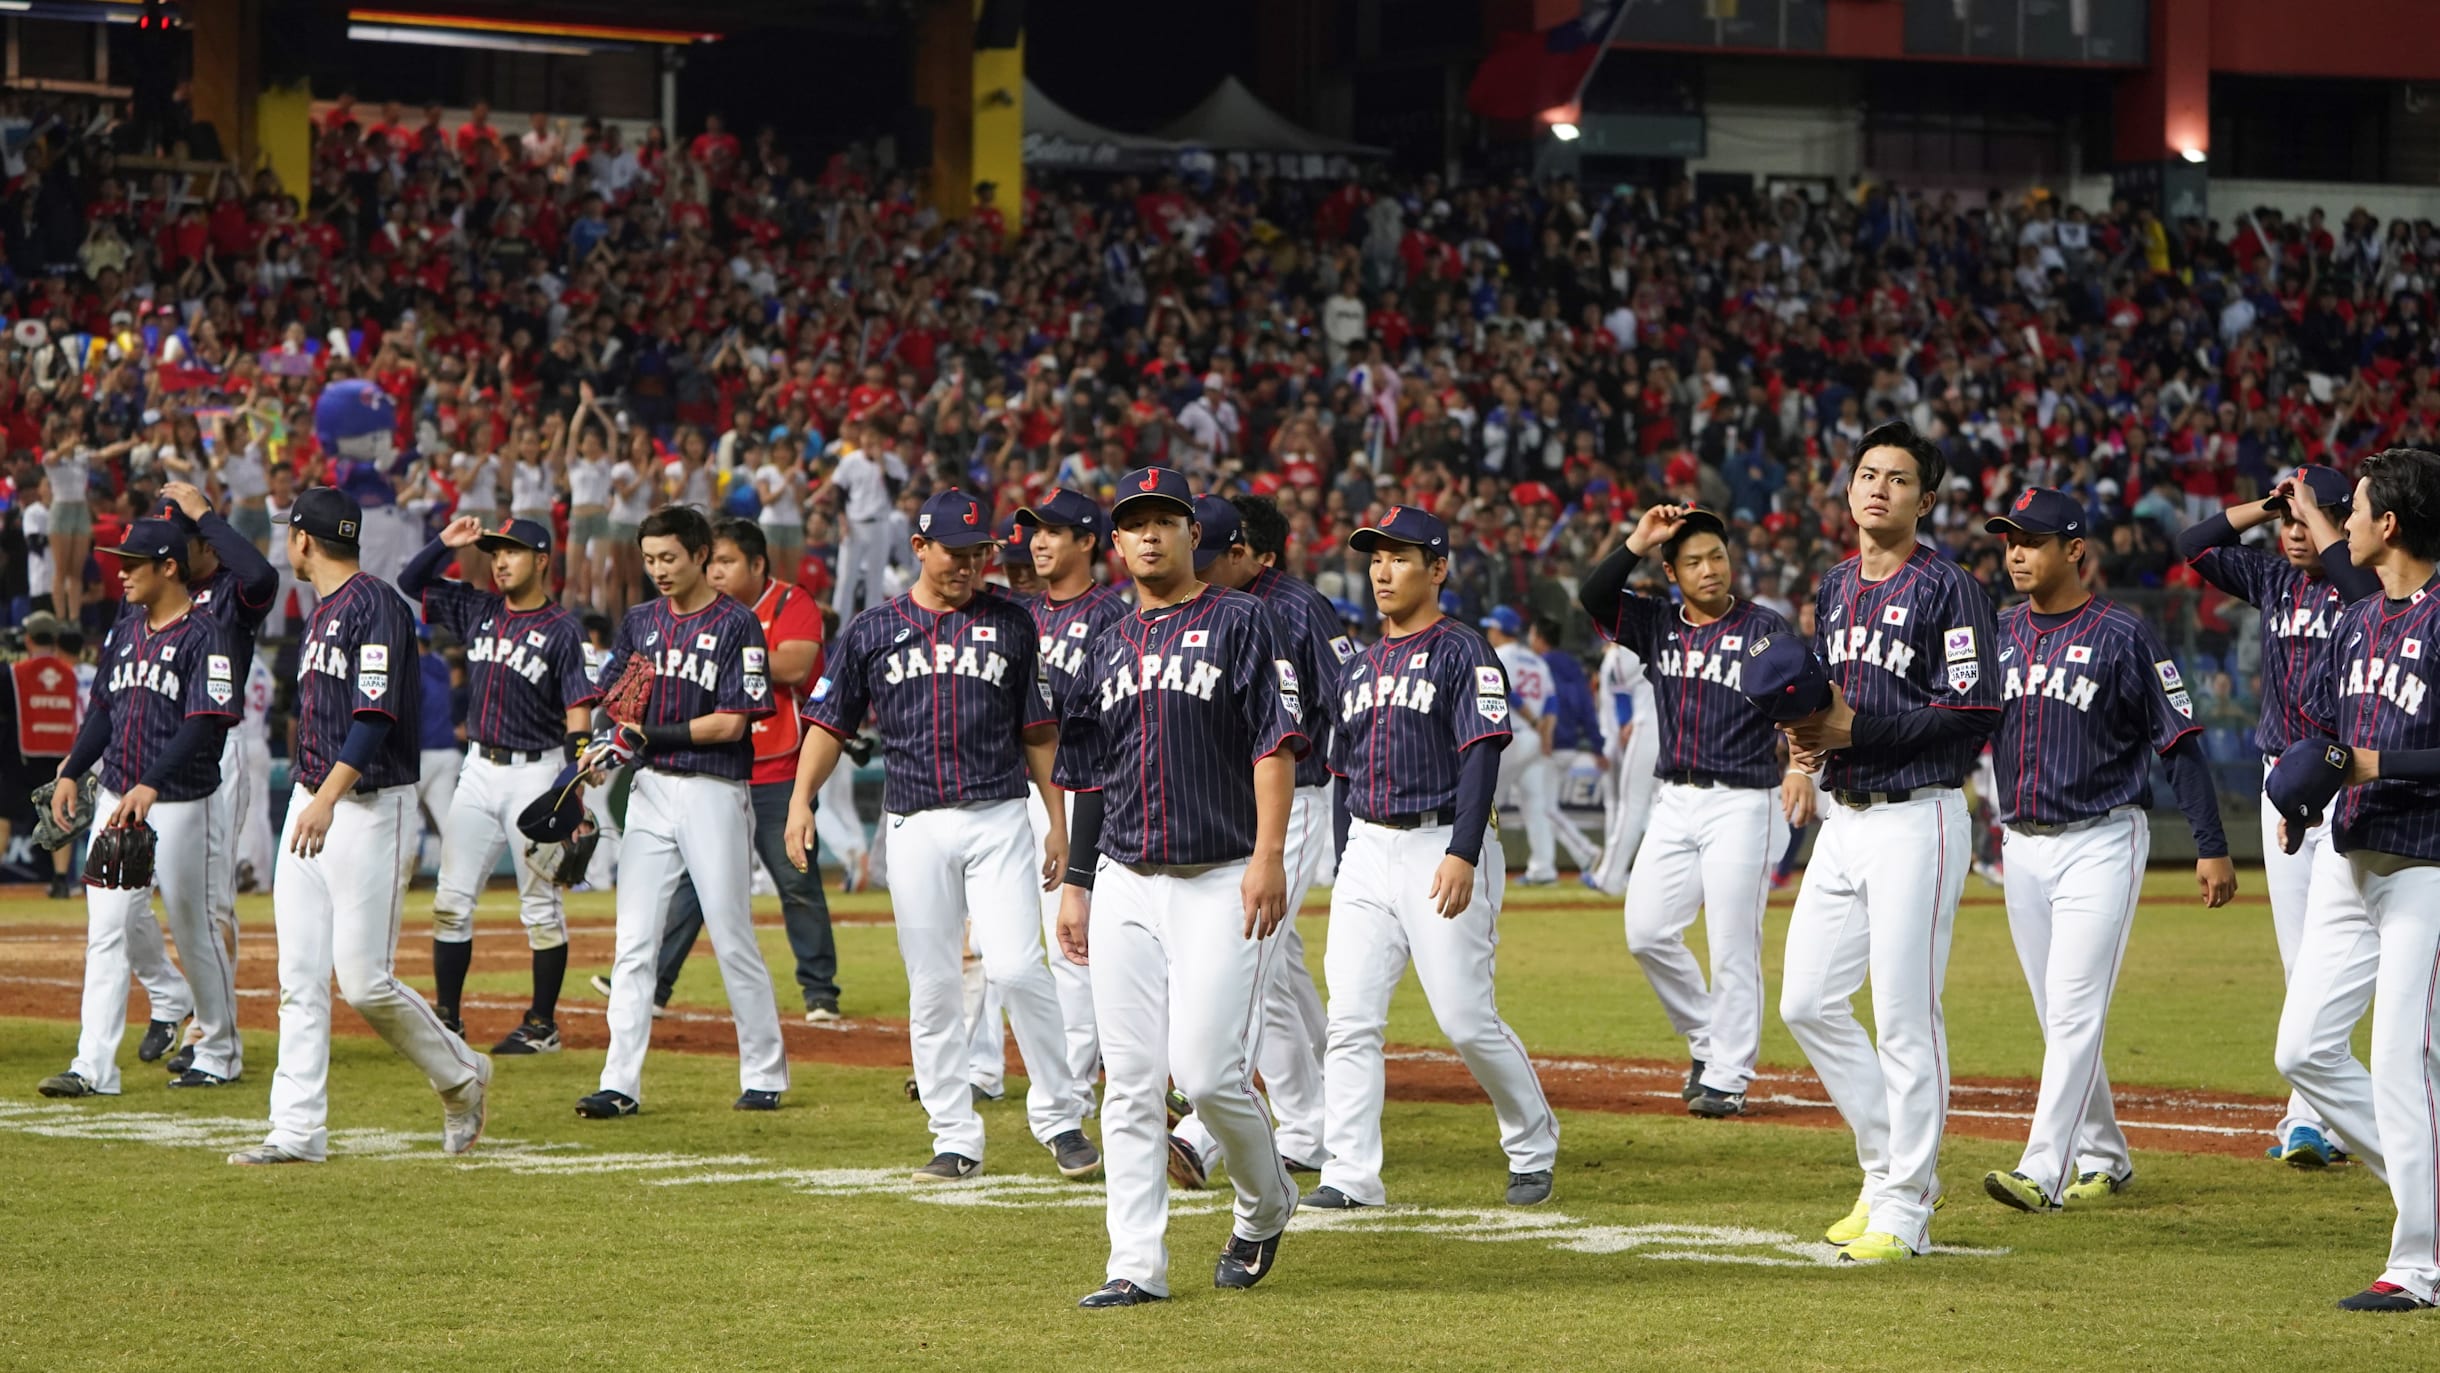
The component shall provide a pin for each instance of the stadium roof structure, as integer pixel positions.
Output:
(1232, 120)
(1056, 136)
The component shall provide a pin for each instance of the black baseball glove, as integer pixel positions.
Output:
(47, 832)
(121, 857)
(575, 855)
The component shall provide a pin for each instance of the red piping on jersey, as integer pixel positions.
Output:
(1718, 627)
(2351, 799)
(1157, 726)
(2029, 767)
(1407, 644)
(898, 605)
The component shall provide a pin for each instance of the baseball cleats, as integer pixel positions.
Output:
(2096, 1186)
(1694, 1081)
(755, 1100)
(2019, 1191)
(599, 983)
(1298, 1165)
(68, 1084)
(983, 1098)
(197, 1077)
(823, 1013)
(1529, 1189)
(1875, 1246)
(1186, 1167)
(1852, 1228)
(1179, 1107)
(1329, 1198)
(263, 1155)
(180, 1061)
(160, 1036)
(463, 1109)
(2304, 1147)
(1118, 1292)
(2384, 1296)
(1076, 1155)
(1245, 1262)
(606, 1105)
(1713, 1104)
(451, 1021)
(533, 1037)
(948, 1168)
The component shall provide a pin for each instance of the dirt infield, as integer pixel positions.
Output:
(41, 974)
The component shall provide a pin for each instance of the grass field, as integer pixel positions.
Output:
(692, 1236)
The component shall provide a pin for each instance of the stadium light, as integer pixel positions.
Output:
(2192, 154)
(1565, 132)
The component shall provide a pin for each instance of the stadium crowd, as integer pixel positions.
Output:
(576, 326)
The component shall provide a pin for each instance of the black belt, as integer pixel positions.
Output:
(506, 756)
(1420, 820)
(1860, 799)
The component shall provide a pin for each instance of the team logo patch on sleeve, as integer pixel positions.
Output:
(1195, 638)
(218, 665)
(373, 684)
(1343, 648)
(821, 689)
(219, 678)
(2169, 680)
(1895, 615)
(2183, 703)
(2079, 653)
(1959, 642)
(1963, 676)
(754, 658)
(1489, 682)
(1289, 697)
(373, 658)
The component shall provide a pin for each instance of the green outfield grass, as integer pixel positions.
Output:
(692, 1236)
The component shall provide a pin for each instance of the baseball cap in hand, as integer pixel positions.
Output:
(153, 540)
(954, 519)
(326, 512)
(2331, 491)
(2040, 510)
(1403, 524)
(2307, 778)
(1065, 510)
(1221, 527)
(1154, 485)
(531, 534)
(1784, 678)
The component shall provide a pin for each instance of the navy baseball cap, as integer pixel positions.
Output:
(1222, 527)
(1016, 542)
(2330, 490)
(954, 519)
(168, 510)
(2306, 779)
(1404, 524)
(1505, 620)
(1784, 678)
(554, 816)
(2040, 510)
(326, 512)
(533, 534)
(1067, 510)
(1147, 485)
(1697, 520)
(153, 541)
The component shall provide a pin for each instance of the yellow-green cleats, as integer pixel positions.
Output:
(1875, 1246)
(2019, 1191)
(2097, 1186)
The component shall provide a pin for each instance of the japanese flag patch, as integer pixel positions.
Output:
(2167, 672)
(1196, 638)
(707, 642)
(1895, 615)
(2079, 653)
(533, 638)
(1732, 643)
(985, 633)
(1077, 630)
(1958, 643)
(169, 653)
(373, 658)
(1416, 663)
(2412, 648)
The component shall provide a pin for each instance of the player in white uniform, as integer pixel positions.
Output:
(254, 851)
(1525, 774)
(1630, 744)
(864, 541)
(1567, 760)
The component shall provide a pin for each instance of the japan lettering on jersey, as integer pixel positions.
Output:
(1318, 645)
(1922, 637)
(1406, 709)
(2083, 701)
(1171, 712)
(1708, 724)
(524, 668)
(151, 682)
(2379, 693)
(1063, 628)
(710, 662)
(2298, 613)
(953, 693)
(358, 658)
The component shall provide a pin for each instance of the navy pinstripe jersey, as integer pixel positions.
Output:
(953, 692)
(2297, 614)
(151, 682)
(1318, 645)
(1708, 724)
(1063, 628)
(2083, 700)
(2378, 694)
(1919, 638)
(1173, 709)
(524, 668)
(712, 662)
(359, 659)
(1406, 708)
(222, 596)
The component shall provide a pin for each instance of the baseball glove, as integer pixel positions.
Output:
(575, 856)
(121, 857)
(46, 831)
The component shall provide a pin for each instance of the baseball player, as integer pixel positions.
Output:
(1575, 730)
(949, 669)
(1717, 825)
(1242, 541)
(167, 695)
(529, 706)
(2373, 928)
(2299, 590)
(1631, 746)
(1069, 533)
(1179, 738)
(339, 887)
(688, 813)
(42, 713)
(1526, 779)
(1420, 718)
(2088, 696)
(253, 841)
(1906, 635)
(440, 734)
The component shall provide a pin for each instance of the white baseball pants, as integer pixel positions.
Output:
(602, 873)
(253, 824)
(1177, 992)
(977, 862)
(1880, 898)
(435, 793)
(1627, 796)
(116, 921)
(2071, 902)
(684, 825)
(1073, 982)
(2290, 879)
(1581, 850)
(835, 818)
(2402, 898)
(339, 912)
(482, 819)
(1713, 849)
(863, 556)
(1528, 782)
(2330, 984)
(1381, 919)
(220, 858)
(1293, 1028)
